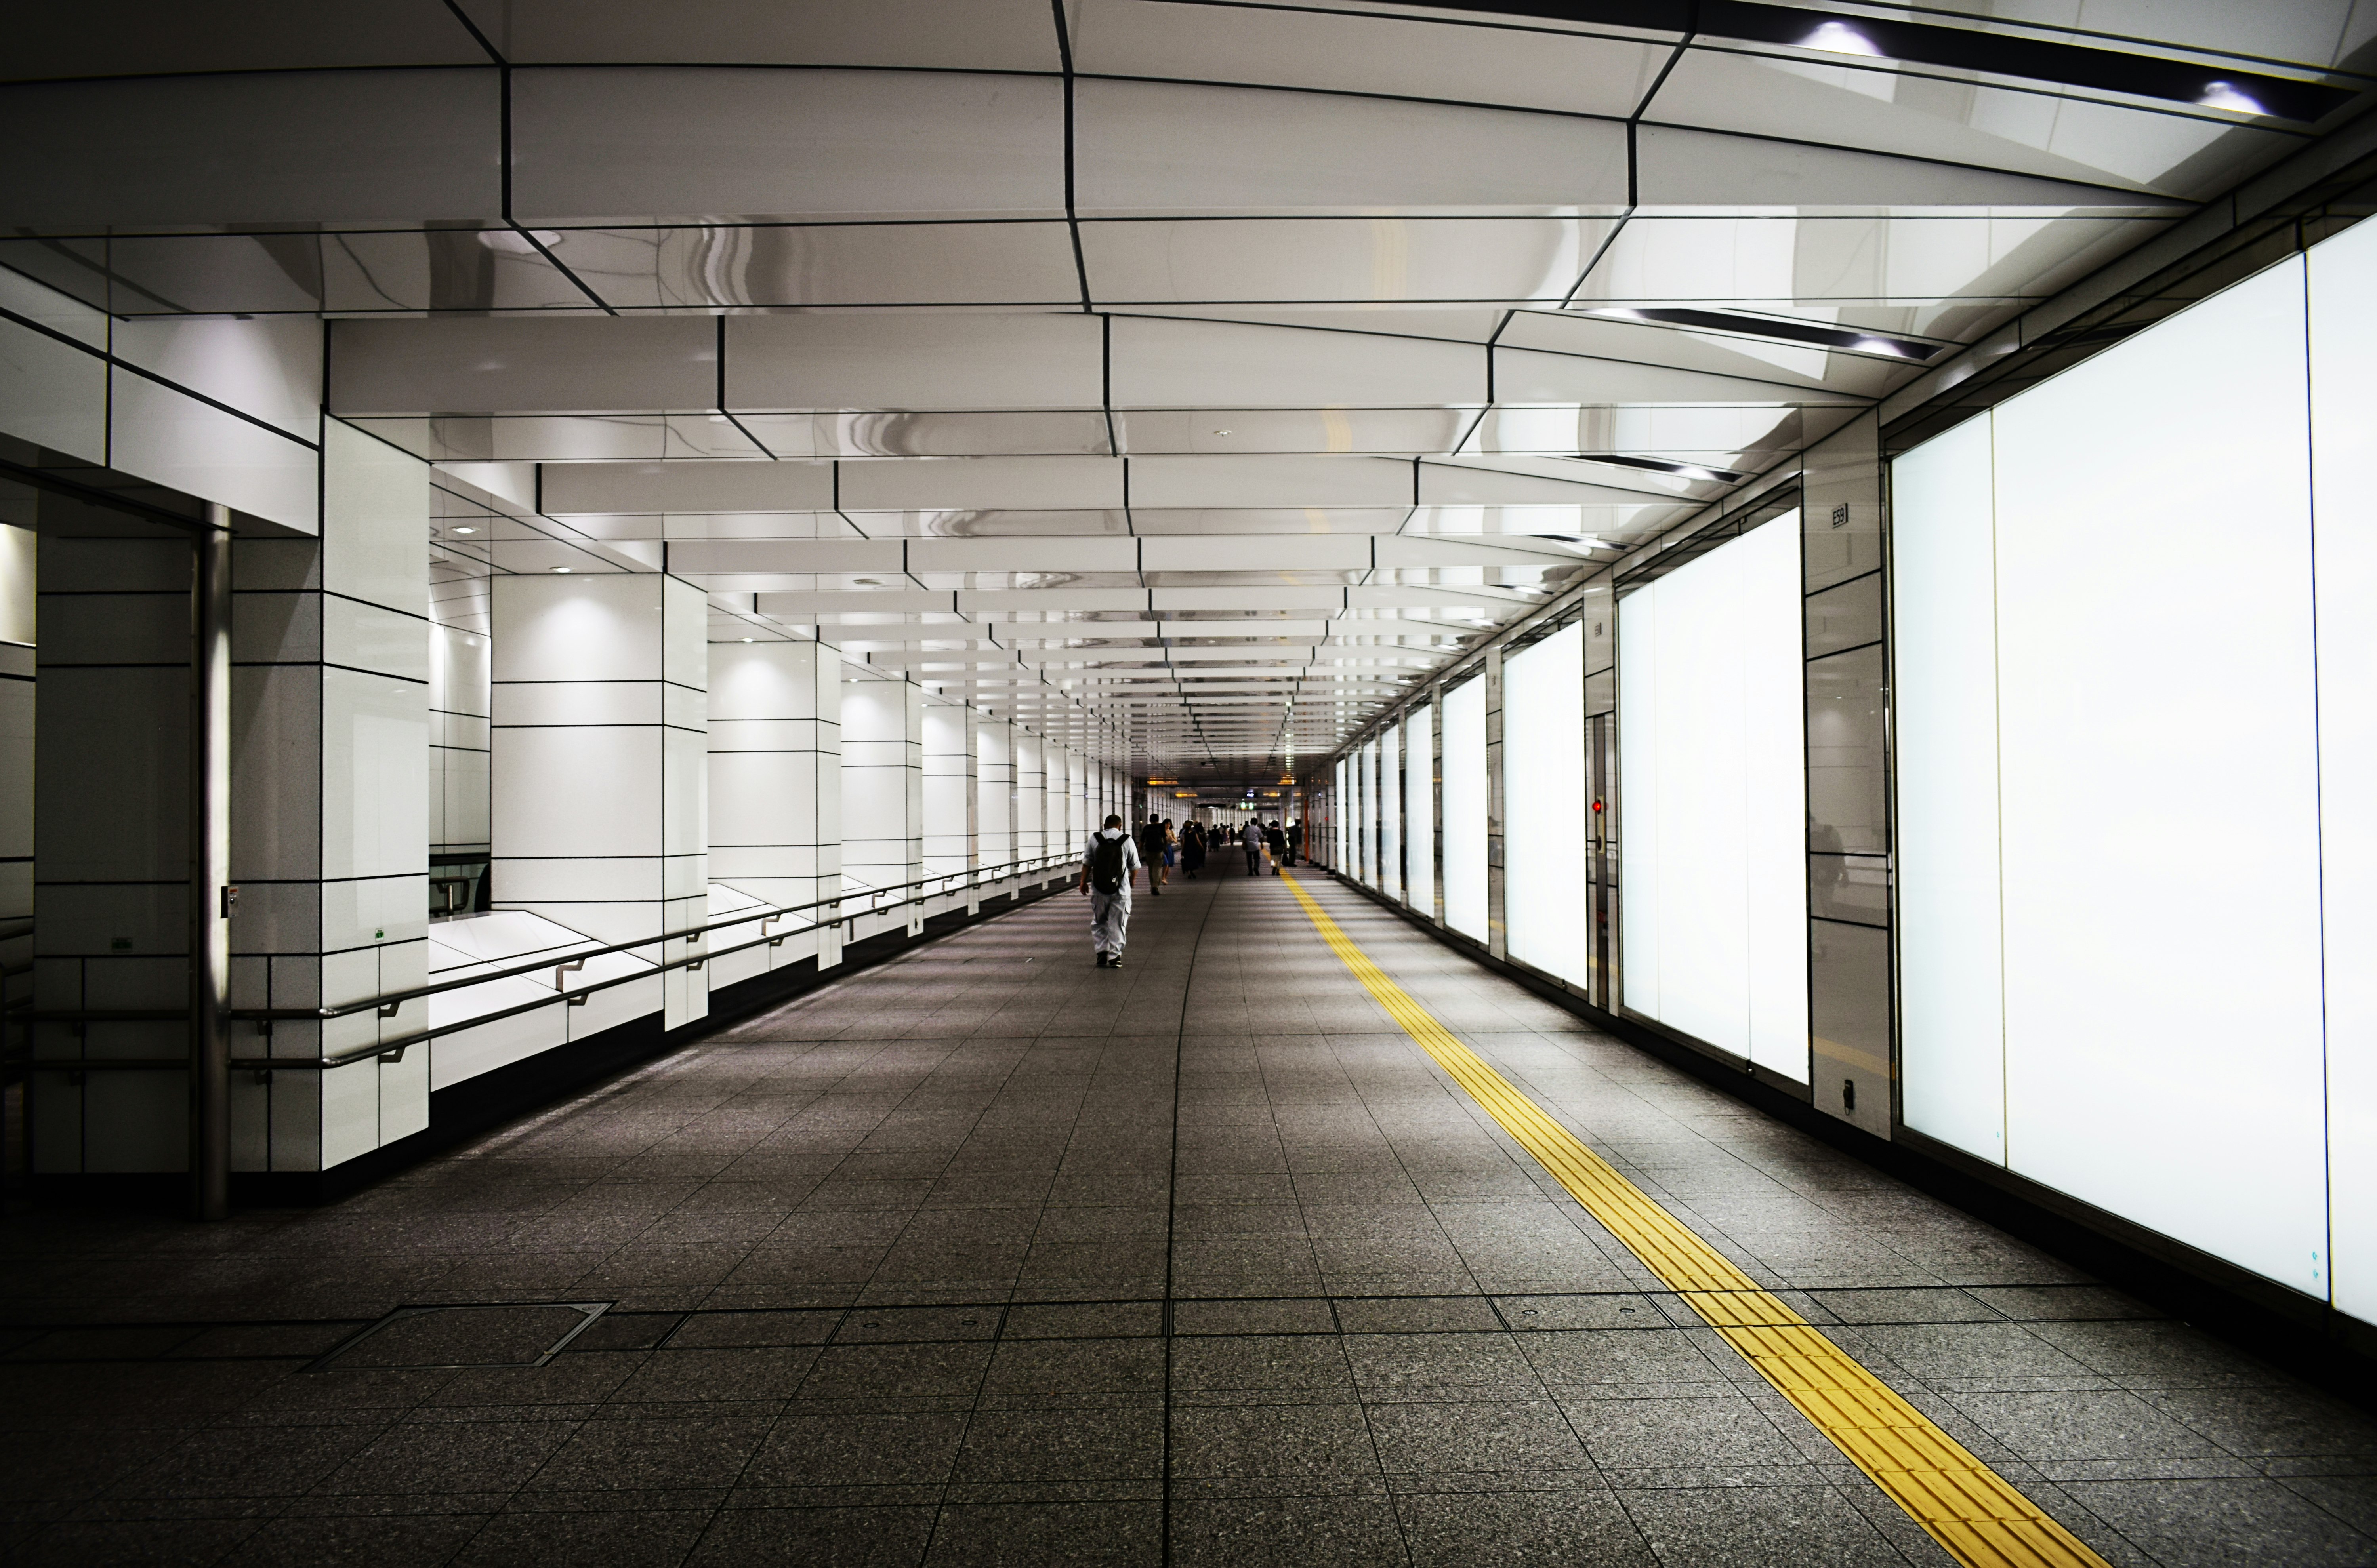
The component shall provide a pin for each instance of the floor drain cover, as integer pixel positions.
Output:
(447, 1338)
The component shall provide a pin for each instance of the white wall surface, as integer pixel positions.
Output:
(1713, 764)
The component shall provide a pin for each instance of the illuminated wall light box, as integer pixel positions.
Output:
(2045, 578)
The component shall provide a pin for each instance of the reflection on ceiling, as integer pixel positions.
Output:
(1187, 379)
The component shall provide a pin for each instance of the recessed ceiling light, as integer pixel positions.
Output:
(466, 531)
(1815, 333)
(750, 639)
(563, 570)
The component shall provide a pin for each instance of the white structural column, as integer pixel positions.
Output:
(1077, 802)
(995, 781)
(949, 787)
(775, 781)
(330, 809)
(1031, 797)
(883, 784)
(602, 772)
(1052, 797)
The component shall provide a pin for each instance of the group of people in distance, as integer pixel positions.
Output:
(1111, 863)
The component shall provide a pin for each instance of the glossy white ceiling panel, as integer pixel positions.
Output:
(2052, 134)
(562, 438)
(1160, 364)
(126, 38)
(297, 146)
(1150, 521)
(1403, 430)
(789, 266)
(657, 144)
(1270, 481)
(568, 488)
(975, 433)
(1152, 149)
(971, 483)
(960, 362)
(1522, 375)
(523, 364)
(950, 35)
(1819, 259)
(1793, 363)
(1461, 59)
(736, 557)
(1482, 484)
(988, 523)
(1352, 259)
(1679, 167)
(1452, 323)
(2307, 32)
(997, 555)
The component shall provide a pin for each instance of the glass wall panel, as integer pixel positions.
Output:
(1546, 917)
(1465, 808)
(1712, 758)
(1419, 811)
(1338, 817)
(1391, 814)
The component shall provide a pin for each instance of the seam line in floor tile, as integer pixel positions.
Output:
(1974, 1513)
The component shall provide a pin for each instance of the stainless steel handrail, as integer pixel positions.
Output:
(394, 1050)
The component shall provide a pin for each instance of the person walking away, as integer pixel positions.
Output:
(1192, 850)
(1252, 835)
(1109, 867)
(1150, 854)
(1278, 842)
(1295, 842)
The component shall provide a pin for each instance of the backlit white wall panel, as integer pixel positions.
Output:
(2343, 288)
(1391, 814)
(1712, 763)
(1465, 808)
(1337, 811)
(2158, 796)
(1366, 790)
(1546, 914)
(1419, 811)
(1952, 1000)
(2107, 517)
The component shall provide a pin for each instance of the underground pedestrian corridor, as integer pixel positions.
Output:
(987, 1255)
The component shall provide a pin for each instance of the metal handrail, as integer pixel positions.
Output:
(388, 1001)
(394, 1050)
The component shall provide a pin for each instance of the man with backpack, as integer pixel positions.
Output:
(1109, 867)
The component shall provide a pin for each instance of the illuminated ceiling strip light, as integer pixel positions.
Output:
(1922, 43)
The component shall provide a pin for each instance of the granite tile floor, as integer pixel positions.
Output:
(987, 1255)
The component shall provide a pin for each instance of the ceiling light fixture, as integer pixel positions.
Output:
(1665, 466)
(466, 531)
(1957, 48)
(1839, 38)
(563, 570)
(1815, 333)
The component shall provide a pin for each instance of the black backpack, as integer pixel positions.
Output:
(1106, 864)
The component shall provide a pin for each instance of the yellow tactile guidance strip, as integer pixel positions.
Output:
(1967, 1507)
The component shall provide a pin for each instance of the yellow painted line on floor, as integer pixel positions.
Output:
(1967, 1507)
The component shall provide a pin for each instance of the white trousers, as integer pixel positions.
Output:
(1109, 921)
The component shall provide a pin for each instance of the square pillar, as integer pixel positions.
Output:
(995, 785)
(883, 784)
(1030, 796)
(948, 787)
(601, 766)
(330, 809)
(775, 781)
